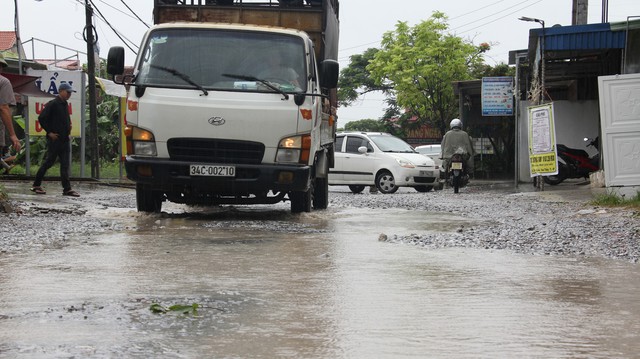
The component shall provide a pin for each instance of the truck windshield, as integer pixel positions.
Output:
(261, 62)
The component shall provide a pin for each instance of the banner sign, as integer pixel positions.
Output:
(49, 81)
(497, 96)
(542, 141)
(36, 104)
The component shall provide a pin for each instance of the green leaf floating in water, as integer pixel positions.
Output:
(177, 308)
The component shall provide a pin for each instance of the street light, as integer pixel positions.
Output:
(542, 48)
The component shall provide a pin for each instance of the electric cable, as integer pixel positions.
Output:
(114, 30)
(501, 11)
(133, 12)
(476, 10)
(462, 15)
(502, 17)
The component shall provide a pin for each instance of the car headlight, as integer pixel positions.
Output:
(140, 142)
(294, 149)
(404, 163)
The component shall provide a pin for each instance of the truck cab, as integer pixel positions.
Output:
(221, 113)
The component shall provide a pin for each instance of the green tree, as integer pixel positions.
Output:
(368, 125)
(355, 80)
(420, 63)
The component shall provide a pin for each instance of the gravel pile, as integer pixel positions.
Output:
(524, 222)
(51, 220)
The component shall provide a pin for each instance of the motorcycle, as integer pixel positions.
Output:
(457, 173)
(575, 163)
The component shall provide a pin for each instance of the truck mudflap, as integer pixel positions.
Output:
(249, 183)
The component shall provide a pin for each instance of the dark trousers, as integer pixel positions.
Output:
(56, 149)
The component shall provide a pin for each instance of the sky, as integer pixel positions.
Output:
(362, 24)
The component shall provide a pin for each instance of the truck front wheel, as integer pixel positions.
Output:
(148, 200)
(302, 201)
(321, 195)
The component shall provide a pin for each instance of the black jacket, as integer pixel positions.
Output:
(55, 118)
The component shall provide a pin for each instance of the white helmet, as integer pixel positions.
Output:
(455, 123)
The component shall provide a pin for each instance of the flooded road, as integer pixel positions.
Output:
(269, 284)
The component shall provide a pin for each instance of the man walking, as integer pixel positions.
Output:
(7, 99)
(55, 120)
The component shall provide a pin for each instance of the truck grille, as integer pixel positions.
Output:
(215, 150)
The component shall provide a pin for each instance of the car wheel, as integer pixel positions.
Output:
(356, 188)
(423, 188)
(386, 183)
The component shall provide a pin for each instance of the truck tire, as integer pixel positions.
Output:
(302, 201)
(148, 200)
(321, 195)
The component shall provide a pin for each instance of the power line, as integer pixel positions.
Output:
(501, 11)
(502, 17)
(476, 10)
(134, 13)
(467, 24)
(114, 30)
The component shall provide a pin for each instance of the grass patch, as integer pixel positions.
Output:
(107, 170)
(614, 200)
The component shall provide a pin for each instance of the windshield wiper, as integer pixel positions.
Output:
(285, 96)
(185, 77)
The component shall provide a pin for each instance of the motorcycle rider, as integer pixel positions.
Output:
(456, 139)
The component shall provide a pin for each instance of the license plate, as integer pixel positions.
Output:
(456, 165)
(426, 173)
(214, 171)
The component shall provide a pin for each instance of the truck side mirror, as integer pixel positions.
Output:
(329, 74)
(115, 61)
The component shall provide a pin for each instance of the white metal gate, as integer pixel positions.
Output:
(620, 122)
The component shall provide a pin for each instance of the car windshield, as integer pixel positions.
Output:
(388, 143)
(213, 59)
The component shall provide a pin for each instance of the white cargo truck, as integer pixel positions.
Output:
(232, 103)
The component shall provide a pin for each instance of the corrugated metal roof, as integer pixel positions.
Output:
(581, 37)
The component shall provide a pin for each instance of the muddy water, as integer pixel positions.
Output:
(320, 285)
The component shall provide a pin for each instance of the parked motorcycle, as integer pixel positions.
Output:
(575, 163)
(457, 174)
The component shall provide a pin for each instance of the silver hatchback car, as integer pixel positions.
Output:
(374, 158)
(433, 151)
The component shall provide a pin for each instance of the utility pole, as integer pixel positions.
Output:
(18, 41)
(91, 73)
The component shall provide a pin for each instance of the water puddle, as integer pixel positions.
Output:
(271, 284)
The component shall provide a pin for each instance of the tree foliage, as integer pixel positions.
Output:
(420, 63)
(367, 125)
(355, 80)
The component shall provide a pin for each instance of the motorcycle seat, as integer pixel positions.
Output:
(573, 151)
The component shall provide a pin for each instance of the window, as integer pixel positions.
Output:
(353, 143)
(221, 59)
(338, 145)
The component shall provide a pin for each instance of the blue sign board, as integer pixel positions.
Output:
(497, 96)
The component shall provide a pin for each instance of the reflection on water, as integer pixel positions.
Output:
(318, 285)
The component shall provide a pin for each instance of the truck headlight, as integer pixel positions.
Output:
(140, 142)
(294, 149)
